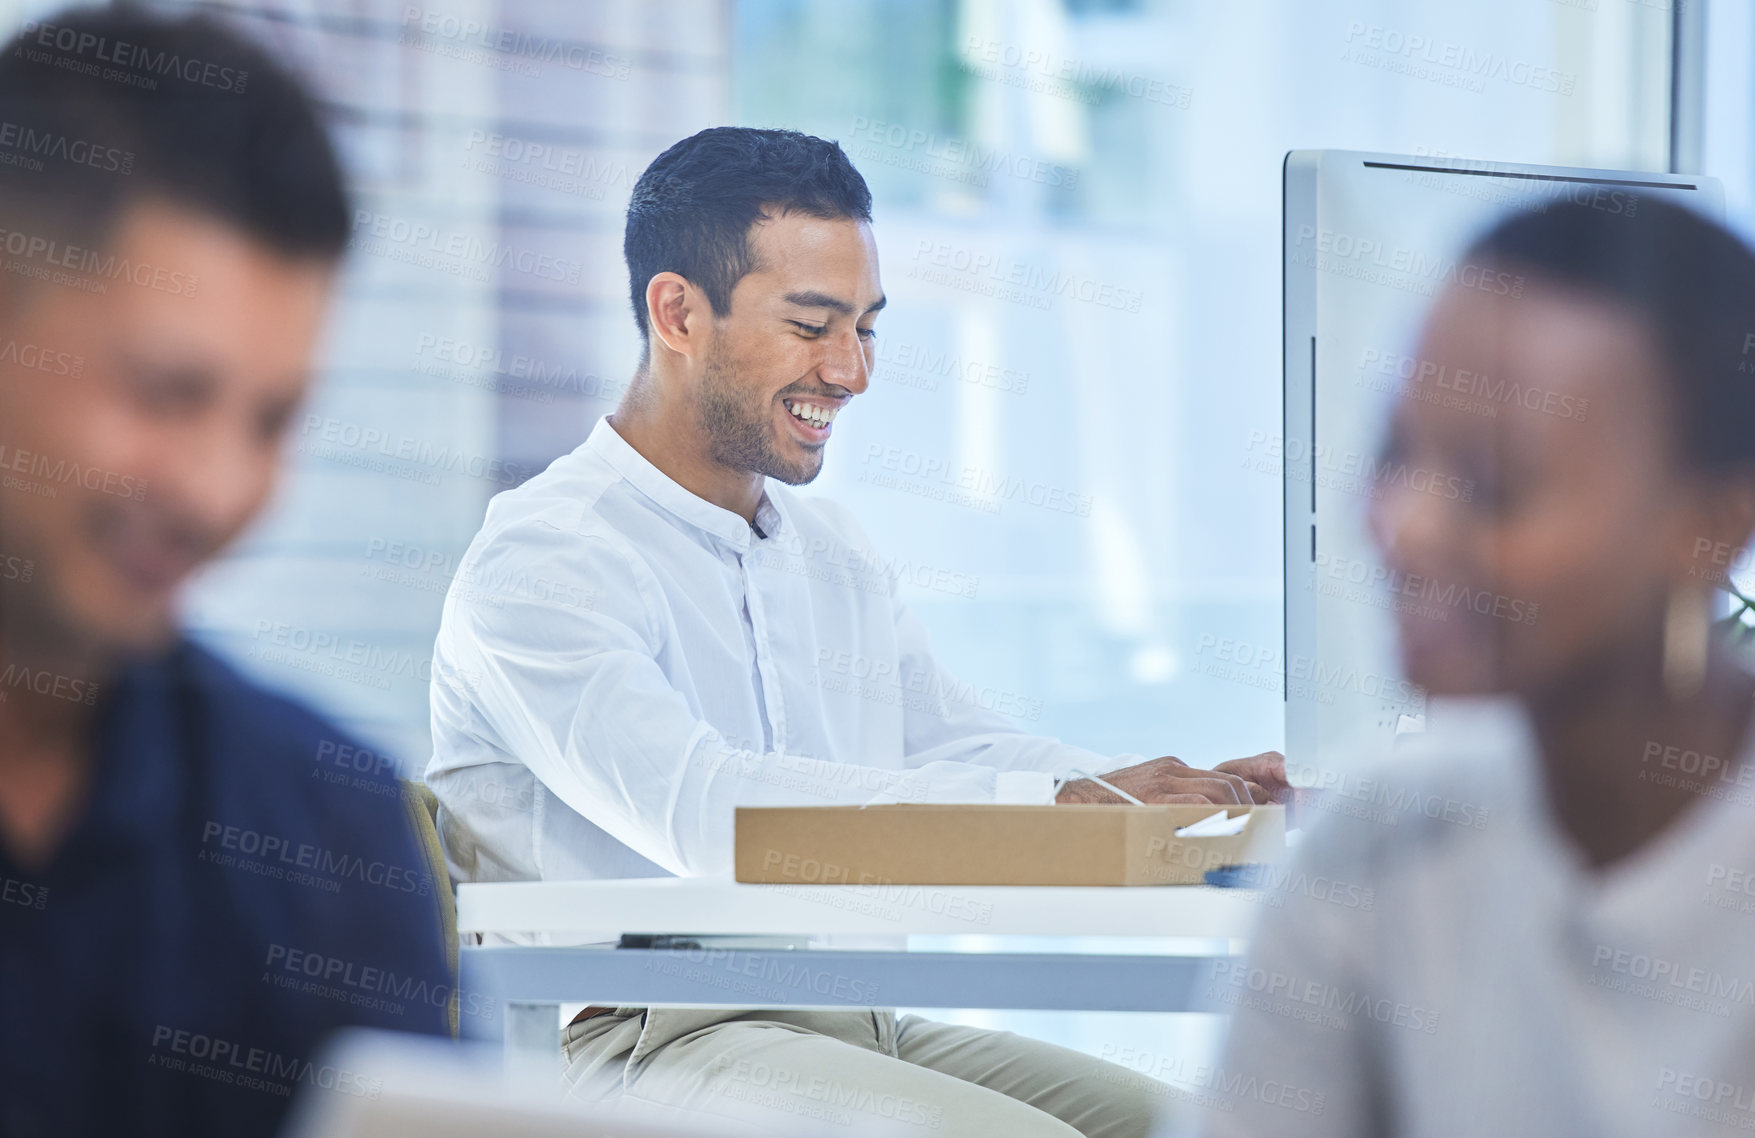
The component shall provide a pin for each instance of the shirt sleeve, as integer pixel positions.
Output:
(956, 721)
(570, 683)
(969, 723)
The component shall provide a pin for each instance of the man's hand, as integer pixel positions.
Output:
(1241, 781)
(1265, 773)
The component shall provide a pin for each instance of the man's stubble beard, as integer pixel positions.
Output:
(739, 431)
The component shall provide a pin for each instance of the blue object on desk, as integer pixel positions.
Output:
(1246, 876)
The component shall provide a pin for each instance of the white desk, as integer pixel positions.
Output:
(529, 983)
(719, 906)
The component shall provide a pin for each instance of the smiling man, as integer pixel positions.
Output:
(171, 866)
(656, 631)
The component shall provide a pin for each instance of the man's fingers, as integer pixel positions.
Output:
(1269, 767)
(1255, 780)
(1265, 774)
(1214, 788)
(1174, 789)
(1239, 785)
(1263, 793)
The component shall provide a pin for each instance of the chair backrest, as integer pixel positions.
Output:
(423, 815)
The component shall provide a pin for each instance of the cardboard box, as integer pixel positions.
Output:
(912, 844)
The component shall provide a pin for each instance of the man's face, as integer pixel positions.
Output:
(795, 347)
(1578, 512)
(126, 473)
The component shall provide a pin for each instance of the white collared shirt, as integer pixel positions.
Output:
(1440, 960)
(621, 663)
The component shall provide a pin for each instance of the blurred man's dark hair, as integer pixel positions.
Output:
(1688, 280)
(195, 847)
(692, 209)
(180, 110)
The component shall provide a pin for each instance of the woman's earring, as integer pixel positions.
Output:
(1687, 632)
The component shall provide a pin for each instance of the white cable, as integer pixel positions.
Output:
(1113, 789)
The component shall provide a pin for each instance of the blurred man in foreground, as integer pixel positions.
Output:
(1581, 965)
(188, 906)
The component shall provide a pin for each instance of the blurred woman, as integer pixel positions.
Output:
(1561, 939)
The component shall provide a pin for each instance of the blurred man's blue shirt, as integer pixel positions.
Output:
(235, 889)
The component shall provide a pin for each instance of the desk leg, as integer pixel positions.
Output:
(533, 1038)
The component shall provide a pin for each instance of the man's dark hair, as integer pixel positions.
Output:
(1688, 280)
(693, 207)
(102, 108)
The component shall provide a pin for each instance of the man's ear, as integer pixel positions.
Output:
(676, 314)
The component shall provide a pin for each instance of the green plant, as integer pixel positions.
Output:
(1737, 627)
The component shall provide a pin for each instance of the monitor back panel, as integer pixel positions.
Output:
(1370, 241)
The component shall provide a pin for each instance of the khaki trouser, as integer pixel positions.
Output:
(866, 1069)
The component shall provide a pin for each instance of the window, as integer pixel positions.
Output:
(1077, 208)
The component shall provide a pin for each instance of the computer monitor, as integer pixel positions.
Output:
(1369, 242)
